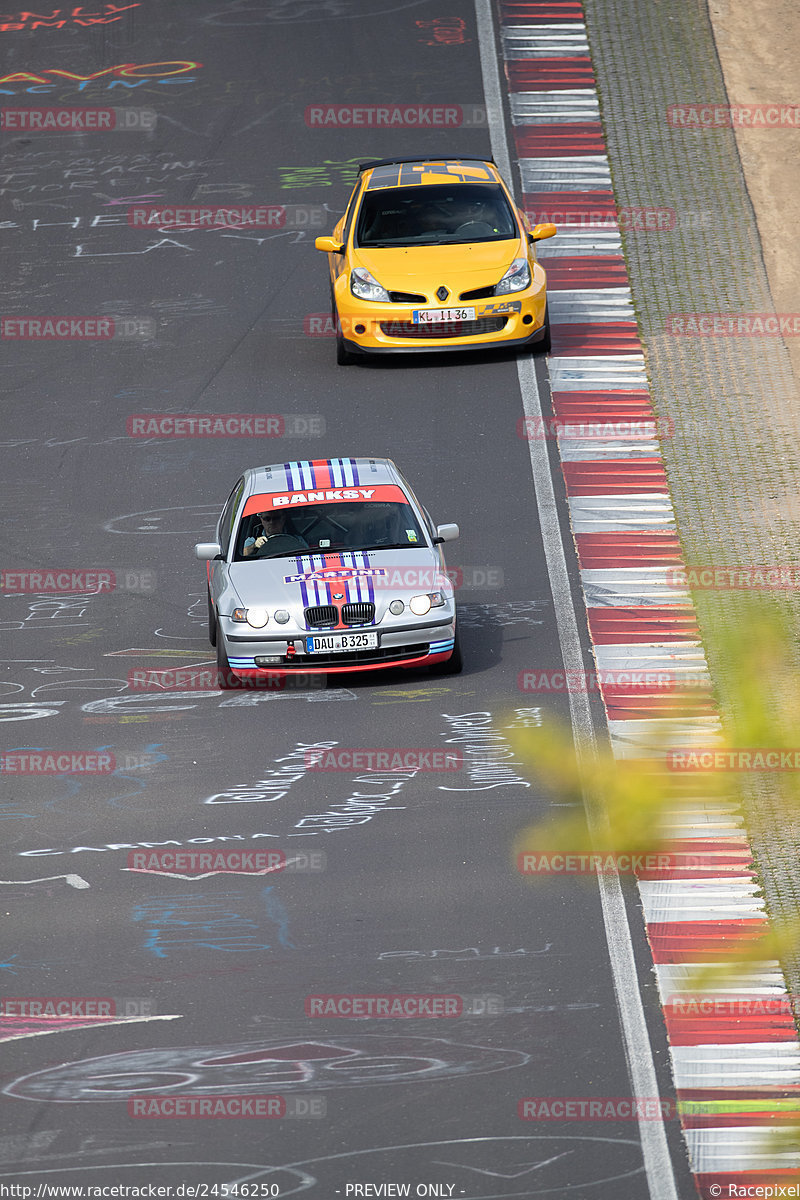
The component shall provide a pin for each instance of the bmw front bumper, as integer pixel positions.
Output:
(423, 643)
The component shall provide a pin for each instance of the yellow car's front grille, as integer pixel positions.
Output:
(481, 293)
(407, 298)
(443, 329)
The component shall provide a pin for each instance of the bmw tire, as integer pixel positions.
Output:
(226, 680)
(454, 664)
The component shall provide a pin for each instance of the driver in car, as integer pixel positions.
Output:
(274, 525)
(477, 211)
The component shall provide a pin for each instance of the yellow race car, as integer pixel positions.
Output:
(433, 254)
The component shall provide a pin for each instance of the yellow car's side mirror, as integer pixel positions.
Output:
(540, 232)
(331, 246)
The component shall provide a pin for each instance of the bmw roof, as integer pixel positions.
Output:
(323, 473)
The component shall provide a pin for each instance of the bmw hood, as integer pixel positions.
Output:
(377, 576)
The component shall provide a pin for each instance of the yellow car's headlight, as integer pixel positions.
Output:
(516, 278)
(366, 287)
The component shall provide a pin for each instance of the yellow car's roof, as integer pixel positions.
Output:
(450, 170)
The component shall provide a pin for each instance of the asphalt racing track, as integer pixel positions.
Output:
(419, 892)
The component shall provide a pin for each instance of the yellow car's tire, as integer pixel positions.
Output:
(544, 346)
(343, 356)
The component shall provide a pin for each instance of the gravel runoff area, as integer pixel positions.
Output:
(757, 44)
(733, 462)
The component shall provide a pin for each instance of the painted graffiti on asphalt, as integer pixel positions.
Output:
(247, 1067)
(488, 757)
(59, 17)
(209, 921)
(276, 783)
(126, 75)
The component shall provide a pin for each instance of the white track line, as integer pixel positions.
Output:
(641, 1066)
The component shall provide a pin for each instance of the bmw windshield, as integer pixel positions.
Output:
(328, 529)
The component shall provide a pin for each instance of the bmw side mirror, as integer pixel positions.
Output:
(208, 551)
(445, 533)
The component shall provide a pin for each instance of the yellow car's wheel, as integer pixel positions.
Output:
(343, 356)
(543, 347)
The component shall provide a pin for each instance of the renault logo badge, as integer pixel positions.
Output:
(442, 293)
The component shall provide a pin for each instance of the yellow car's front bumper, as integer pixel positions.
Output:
(514, 320)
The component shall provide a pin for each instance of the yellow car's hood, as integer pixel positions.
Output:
(425, 268)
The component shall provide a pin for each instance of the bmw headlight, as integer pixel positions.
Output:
(257, 617)
(420, 605)
(516, 278)
(366, 287)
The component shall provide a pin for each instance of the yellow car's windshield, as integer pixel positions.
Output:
(437, 214)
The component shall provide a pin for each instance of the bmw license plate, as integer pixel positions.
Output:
(431, 316)
(335, 643)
